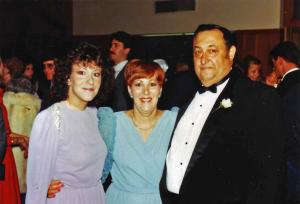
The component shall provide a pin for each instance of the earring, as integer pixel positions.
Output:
(131, 96)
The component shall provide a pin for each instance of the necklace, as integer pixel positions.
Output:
(140, 127)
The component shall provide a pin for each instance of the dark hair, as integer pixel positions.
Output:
(248, 60)
(137, 69)
(123, 37)
(227, 34)
(15, 66)
(86, 53)
(20, 84)
(287, 50)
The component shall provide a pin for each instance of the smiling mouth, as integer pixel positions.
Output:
(88, 89)
(145, 100)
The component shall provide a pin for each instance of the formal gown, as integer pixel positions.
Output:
(138, 164)
(9, 187)
(65, 144)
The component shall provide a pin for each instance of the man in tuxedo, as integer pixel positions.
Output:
(120, 48)
(228, 145)
(286, 60)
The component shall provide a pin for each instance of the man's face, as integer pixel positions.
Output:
(212, 59)
(49, 69)
(118, 52)
(278, 66)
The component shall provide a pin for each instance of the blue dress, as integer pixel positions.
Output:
(137, 164)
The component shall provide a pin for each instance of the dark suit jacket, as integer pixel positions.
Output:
(178, 89)
(239, 156)
(289, 90)
(120, 99)
(2, 145)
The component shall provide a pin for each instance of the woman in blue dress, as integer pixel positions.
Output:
(137, 139)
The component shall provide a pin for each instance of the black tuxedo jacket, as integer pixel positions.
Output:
(120, 99)
(239, 157)
(289, 90)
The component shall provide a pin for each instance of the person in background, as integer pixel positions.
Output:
(120, 48)
(286, 62)
(2, 135)
(271, 79)
(252, 67)
(45, 83)
(9, 187)
(228, 145)
(137, 139)
(65, 143)
(180, 87)
(22, 105)
(29, 71)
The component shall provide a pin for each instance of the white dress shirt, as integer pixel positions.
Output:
(118, 67)
(186, 136)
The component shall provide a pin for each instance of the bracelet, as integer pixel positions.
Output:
(12, 141)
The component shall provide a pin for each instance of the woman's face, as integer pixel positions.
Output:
(29, 71)
(145, 93)
(254, 72)
(6, 75)
(84, 83)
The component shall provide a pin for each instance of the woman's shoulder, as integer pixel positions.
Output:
(172, 112)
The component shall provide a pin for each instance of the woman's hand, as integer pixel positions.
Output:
(54, 188)
(21, 141)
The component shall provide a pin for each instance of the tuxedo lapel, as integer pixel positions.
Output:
(290, 80)
(210, 127)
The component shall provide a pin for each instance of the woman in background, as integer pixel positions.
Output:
(22, 105)
(9, 187)
(252, 68)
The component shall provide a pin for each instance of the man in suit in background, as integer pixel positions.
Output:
(121, 45)
(228, 144)
(286, 60)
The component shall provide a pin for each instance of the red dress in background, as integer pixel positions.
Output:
(9, 187)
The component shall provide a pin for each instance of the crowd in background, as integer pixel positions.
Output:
(27, 93)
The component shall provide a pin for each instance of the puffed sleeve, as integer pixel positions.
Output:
(43, 146)
(107, 129)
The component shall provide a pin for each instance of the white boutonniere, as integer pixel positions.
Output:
(225, 103)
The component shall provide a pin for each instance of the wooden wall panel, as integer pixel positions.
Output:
(258, 43)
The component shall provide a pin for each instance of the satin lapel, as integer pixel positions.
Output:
(210, 127)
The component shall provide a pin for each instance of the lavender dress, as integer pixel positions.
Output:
(65, 144)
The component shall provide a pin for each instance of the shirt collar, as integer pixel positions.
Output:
(291, 70)
(118, 67)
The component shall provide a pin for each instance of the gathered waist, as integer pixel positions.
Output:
(135, 190)
(81, 186)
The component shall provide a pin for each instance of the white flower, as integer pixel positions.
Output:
(226, 103)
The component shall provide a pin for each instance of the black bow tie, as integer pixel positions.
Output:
(213, 88)
(203, 89)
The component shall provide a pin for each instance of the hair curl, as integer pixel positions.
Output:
(86, 53)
